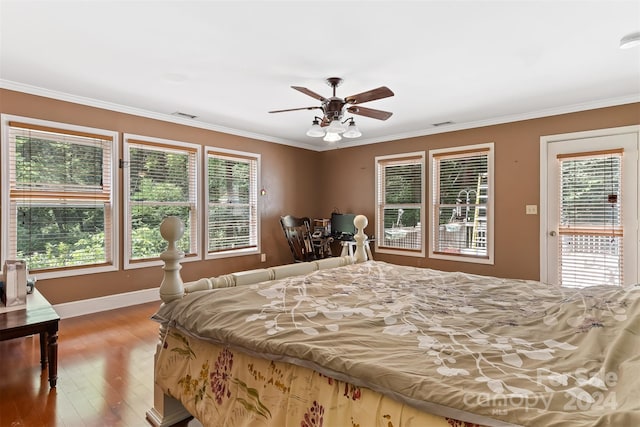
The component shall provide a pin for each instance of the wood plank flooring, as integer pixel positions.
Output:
(105, 373)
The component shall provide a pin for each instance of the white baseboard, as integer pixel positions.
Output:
(95, 305)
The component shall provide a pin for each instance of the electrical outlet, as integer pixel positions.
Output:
(532, 209)
(263, 257)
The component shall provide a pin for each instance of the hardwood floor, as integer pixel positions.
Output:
(105, 373)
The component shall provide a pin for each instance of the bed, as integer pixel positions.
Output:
(353, 342)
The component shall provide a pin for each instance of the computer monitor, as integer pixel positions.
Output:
(342, 225)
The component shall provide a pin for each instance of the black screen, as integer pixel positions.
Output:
(342, 224)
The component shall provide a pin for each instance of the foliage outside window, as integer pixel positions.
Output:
(232, 203)
(591, 230)
(400, 204)
(162, 180)
(59, 205)
(462, 204)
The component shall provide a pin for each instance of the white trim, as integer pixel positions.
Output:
(111, 106)
(115, 191)
(510, 118)
(545, 140)
(379, 227)
(234, 252)
(565, 109)
(128, 264)
(110, 302)
(544, 182)
(490, 205)
(233, 155)
(590, 134)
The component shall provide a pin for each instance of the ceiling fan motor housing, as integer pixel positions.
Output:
(333, 108)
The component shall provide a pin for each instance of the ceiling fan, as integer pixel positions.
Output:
(334, 108)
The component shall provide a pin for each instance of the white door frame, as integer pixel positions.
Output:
(545, 140)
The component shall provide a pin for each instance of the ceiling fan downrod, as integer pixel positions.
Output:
(334, 82)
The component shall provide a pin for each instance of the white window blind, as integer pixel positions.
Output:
(400, 204)
(591, 227)
(460, 226)
(162, 181)
(232, 199)
(60, 197)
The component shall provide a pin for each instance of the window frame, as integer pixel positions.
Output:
(380, 162)
(111, 214)
(434, 192)
(233, 155)
(162, 145)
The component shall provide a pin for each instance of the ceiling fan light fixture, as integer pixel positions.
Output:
(332, 137)
(630, 40)
(352, 130)
(335, 127)
(315, 130)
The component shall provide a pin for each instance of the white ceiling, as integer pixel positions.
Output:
(469, 62)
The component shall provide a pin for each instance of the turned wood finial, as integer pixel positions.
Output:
(360, 221)
(171, 287)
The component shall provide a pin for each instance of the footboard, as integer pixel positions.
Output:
(168, 411)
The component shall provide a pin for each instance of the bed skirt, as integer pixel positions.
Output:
(225, 388)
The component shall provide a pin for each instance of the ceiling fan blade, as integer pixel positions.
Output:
(296, 109)
(371, 95)
(309, 92)
(370, 112)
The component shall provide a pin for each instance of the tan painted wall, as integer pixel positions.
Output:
(303, 182)
(350, 186)
(288, 176)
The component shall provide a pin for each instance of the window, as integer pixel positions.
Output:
(232, 203)
(160, 180)
(590, 232)
(58, 197)
(400, 204)
(462, 204)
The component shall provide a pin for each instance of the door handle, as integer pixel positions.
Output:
(552, 233)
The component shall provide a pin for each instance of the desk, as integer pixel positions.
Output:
(349, 247)
(38, 317)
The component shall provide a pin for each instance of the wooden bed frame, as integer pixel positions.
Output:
(166, 410)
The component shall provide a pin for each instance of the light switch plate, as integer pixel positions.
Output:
(532, 209)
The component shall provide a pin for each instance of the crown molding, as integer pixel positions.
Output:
(91, 102)
(573, 108)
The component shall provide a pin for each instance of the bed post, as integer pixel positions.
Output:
(360, 221)
(166, 410)
(171, 287)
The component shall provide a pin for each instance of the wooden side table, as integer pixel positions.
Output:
(38, 317)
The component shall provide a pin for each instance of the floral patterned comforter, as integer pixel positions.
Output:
(479, 349)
